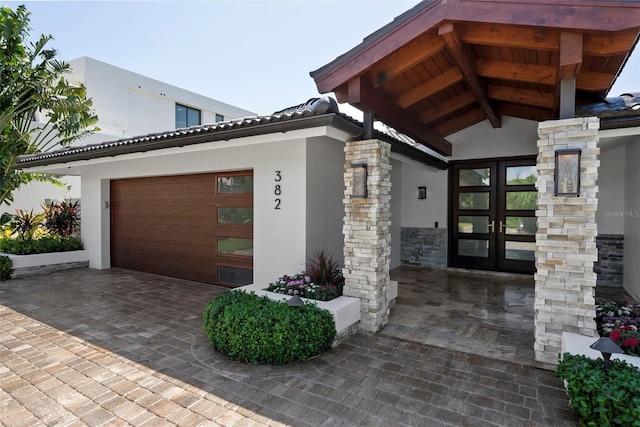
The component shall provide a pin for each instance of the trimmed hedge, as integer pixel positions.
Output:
(6, 267)
(602, 398)
(253, 329)
(45, 244)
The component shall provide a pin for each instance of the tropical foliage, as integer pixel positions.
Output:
(39, 108)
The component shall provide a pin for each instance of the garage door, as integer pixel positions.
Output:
(196, 227)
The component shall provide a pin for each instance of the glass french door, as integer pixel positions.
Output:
(492, 222)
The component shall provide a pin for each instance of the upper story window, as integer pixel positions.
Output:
(219, 118)
(186, 116)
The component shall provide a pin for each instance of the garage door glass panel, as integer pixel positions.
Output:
(475, 177)
(473, 201)
(234, 275)
(473, 224)
(235, 246)
(238, 184)
(235, 215)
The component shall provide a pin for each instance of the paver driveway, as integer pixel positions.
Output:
(116, 347)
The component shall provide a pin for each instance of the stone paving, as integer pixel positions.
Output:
(115, 347)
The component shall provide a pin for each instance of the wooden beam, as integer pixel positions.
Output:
(570, 55)
(509, 36)
(363, 96)
(405, 59)
(539, 74)
(436, 84)
(593, 82)
(447, 107)
(462, 57)
(609, 44)
(525, 112)
(461, 122)
(521, 96)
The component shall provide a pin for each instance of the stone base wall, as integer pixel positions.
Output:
(610, 265)
(426, 247)
(45, 269)
(565, 240)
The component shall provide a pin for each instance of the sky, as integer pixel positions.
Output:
(255, 55)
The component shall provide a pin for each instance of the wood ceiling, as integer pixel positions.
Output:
(448, 64)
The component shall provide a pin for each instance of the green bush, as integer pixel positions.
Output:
(254, 329)
(6, 265)
(602, 398)
(38, 246)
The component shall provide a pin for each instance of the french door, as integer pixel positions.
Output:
(492, 219)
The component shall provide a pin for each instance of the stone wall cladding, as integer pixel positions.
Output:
(610, 265)
(426, 247)
(46, 269)
(367, 233)
(565, 241)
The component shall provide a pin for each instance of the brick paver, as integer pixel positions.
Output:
(114, 347)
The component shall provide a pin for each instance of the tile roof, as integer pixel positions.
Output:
(321, 111)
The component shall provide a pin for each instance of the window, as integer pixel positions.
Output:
(219, 118)
(186, 116)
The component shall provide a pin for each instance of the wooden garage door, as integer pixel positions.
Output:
(197, 227)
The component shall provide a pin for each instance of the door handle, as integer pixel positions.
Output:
(492, 226)
(502, 227)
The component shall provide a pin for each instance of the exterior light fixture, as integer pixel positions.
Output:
(359, 183)
(422, 193)
(567, 176)
(295, 301)
(606, 346)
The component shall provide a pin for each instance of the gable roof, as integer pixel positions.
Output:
(313, 113)
(443, 66)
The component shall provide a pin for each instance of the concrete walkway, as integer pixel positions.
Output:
(115, 347)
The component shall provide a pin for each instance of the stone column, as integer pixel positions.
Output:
(566, 239)
(367, 233)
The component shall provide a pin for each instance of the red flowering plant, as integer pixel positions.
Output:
(322, 280)
(620, 321)
(628, 339)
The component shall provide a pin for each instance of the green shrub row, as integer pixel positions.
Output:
(254, 329)
(600, 398)
(37, 246)
(6, 266)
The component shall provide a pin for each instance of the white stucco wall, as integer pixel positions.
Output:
(423, 213)
(632, 220)
(325, 194)
(516, 137)
(611, 191)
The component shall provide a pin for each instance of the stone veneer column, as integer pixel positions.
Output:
(367, 233)
(565, 241)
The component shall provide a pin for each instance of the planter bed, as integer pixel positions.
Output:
(579, 344)
(36, 264)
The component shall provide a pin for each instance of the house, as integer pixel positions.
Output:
(127, 104)
(502, 174)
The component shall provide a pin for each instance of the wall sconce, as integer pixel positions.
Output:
(422, 193)
(567, 177)
(359, 184)
(606, 346)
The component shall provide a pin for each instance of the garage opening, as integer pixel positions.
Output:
(196, 227)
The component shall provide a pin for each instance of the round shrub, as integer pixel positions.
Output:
(253, 329)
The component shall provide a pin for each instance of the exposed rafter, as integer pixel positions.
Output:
(448, 107)
(539, 74)
(460, 122)
(361, 94)
(521, 96)
(464, 59)
(428, 88)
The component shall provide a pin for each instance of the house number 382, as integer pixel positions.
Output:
(277, 189)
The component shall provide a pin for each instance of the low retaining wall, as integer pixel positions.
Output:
(36, 264)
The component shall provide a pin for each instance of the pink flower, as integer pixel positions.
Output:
(630, 342)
